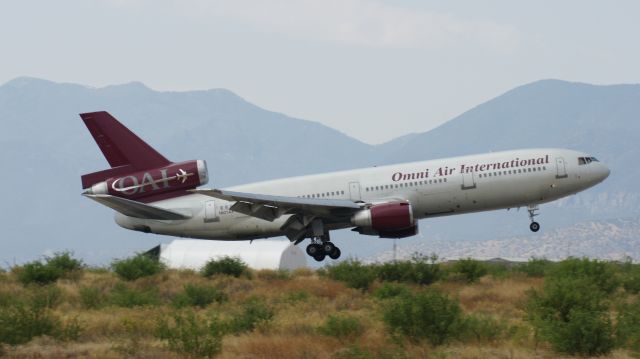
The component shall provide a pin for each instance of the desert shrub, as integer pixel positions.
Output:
(254, 312)
(49, 296)
(358, 352)
(37, 272)
(20, 323)
(91, 297)
(602, 274)
(572, 314)
(190, 336)
(341, 327)
(631, 278)
(534, 267)
(429, 315)
(226, 266)
(128, 297)
(68, 266)
(353, 273)
(482, 328)
(420, 270)
(397, 271)
(269, 274)
(469, 269)
(628, 325)
(195, 295)
(69, 330)
(60, 265)
(498, 270)
(585, 333)
(296, 296)
(136, 267)
(390, 290)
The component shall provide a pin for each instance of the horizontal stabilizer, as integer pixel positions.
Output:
(136, 209)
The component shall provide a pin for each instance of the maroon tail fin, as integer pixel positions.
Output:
(124, 151)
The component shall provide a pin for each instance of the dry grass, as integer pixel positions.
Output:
(301, 301)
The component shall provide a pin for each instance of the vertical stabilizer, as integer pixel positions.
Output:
(124, 151)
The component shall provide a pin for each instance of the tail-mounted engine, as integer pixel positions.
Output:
(388, 220)
(151, 182)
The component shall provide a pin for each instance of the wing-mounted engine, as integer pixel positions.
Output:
(387, 220)
(173, 177)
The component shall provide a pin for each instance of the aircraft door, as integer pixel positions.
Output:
(210, 212)
(354, 191)
(561, 168)
(468, 180)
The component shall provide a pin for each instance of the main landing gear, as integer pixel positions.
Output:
(534, 226)
(321, 247)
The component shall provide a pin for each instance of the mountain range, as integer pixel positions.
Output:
(44, 148)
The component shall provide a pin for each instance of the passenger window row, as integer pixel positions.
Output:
(405, 184)
(322, 195)
(512, 172)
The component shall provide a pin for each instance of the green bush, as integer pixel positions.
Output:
(390, 290)
(49, 296)
(535, 267)
(631, 279)
(37, 272)
(136, 267)
(191, 337)
(572, 314)
(341, 327)
(585, 333)
(357, 352)
(20, 323)
(68, 266)
(353, 273)
(420, 270)
(91, 297)
(469, 269)
(296, 296)
(498, 270)
(254, 312)
(628, 326)
(602, 274)
(195, 295)
(124, 296)
(429, 315)
(226, 266)
(482, 328)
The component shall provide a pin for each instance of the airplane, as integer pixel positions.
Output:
(154, 195)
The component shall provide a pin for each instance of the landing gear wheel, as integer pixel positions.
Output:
(534, 226)
(319, 257)
(328, 248)
(313, 249)
(335, 254)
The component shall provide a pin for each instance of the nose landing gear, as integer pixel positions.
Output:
(321, 247)
(534, 226)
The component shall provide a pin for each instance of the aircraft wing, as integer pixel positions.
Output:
(270, 207)
(136, 209)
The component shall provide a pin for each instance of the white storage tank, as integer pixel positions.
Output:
(257, 254)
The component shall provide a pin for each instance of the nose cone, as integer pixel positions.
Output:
(603, 172)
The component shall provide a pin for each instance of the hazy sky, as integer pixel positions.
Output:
(372, 69)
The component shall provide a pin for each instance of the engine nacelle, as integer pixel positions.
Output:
(171, 178)
(388, 220)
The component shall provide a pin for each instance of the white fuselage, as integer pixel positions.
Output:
(434, 188)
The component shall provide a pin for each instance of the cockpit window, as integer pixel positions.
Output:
(586, 160)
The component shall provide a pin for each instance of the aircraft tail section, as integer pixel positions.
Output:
(124, 151)
(138, 173)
